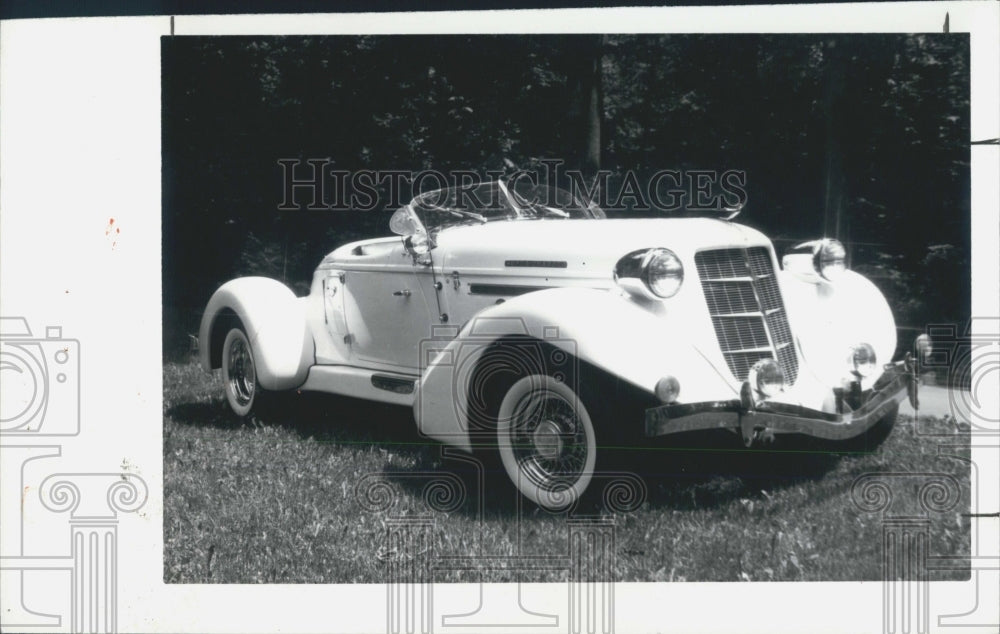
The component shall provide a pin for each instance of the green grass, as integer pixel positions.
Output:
(272, 500)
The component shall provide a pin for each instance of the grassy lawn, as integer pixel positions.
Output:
(272, 500)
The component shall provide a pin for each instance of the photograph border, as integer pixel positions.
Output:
(110, 230)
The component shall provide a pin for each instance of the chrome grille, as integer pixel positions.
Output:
(723, 264)
(738, 334)
(747, 312)
(723, 298)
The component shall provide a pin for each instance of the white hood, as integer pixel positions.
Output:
(589, 248)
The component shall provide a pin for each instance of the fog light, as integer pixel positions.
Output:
(667, 389)
(767, 377)
(863, 359)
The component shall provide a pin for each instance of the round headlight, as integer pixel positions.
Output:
(663, 272)
(863, 359)
(767, 377)
(829, 259)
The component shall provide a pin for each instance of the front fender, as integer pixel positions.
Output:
(638, 343)
(829, 318)
(275, 322)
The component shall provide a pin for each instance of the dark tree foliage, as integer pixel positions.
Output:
(863, 137)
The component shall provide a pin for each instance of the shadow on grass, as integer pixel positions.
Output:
(695, 473)
(714, 469)
(699, 471)
(322, 417)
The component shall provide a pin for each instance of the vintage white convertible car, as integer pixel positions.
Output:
(521, 322)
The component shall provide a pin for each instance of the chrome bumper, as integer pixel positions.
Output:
(758, 421)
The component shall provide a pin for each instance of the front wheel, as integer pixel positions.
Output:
(239, 372)
(546, 441)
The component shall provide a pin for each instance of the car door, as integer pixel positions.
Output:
(389, 305)
(335, 347)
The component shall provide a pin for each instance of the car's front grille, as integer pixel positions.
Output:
(747, 312)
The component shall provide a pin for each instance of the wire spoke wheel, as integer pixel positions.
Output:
(549, 442)
(546, 441)
(239, 372)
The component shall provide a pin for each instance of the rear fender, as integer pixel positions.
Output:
(637, 343)
(275, 322)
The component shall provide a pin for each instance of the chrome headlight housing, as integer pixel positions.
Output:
(829, 259)
(767, 377)
(863, 360)
(650, 273)
(825, 258)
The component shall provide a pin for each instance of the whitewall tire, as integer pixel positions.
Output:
(546, 441)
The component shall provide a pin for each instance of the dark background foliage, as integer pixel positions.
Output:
(862, 137)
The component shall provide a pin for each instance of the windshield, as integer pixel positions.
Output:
(488, 202)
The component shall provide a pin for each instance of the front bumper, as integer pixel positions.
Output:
(758, 421)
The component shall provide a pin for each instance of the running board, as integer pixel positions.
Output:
(398, 389)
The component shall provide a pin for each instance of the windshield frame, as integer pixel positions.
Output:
(431, 212)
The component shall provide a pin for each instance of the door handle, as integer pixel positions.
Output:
(403, 293)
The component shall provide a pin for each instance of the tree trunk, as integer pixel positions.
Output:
(593, 96)
(584, 115)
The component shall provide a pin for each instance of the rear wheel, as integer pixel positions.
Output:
(546, 441)
(239, 372)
